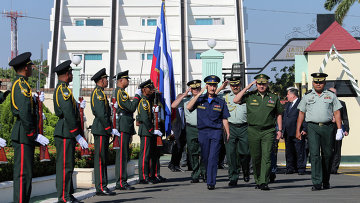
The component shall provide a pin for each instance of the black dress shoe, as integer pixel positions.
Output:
(171, 167)
(211, 187)
(233, 183)
(144, 182)
(204, 178)
(221, 166)
(195, 180)
(246, 178)
(257, 186)
(74, 200)
(326, 186)
(316, 188)
(301, 173)
(125, 186)
(178, 169)
(153, 180)
(160, 179)
(105, 193)
(272, 177)
(264, 187)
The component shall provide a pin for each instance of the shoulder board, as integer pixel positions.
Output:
(99, 94)
(65, 91)
(124, 95)
(308, 92)
(24, 87)
(226, 91)
(145, 104)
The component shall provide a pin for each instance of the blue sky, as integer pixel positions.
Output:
(268, 22)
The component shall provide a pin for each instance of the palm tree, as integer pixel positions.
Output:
(342, 8)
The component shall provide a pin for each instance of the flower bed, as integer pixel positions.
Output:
(49, 168)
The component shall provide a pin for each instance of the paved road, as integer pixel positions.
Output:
(287, 188)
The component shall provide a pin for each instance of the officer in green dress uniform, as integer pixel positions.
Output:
(125, 109)
(146, 131)
(192, 133)
(102, 130)
(237, 149)
(318, 107)
(67, 132)
(24, 133)
(263, 112)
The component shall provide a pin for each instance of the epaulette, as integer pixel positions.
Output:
(67, 93)
(124, 95)
(101, 96)
(226, 91)
(308, 92)
(25, 90)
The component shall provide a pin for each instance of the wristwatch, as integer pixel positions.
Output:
(280, 131)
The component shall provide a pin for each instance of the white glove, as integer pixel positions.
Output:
(115, 132)
(42, 140)
(116, 105)
(138, 92)
(41, 97)
(43, 116)
(82, 142)
(156, 109)
(83, 104)
(158, 133)
(2, 143)
(339, 134)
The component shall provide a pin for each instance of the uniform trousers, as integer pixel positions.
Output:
(154, 158)
(194, 150)
(144, 157)
(122, 156)
(209, 140)
(101, 157)
(260, 144)
(23, 168)
(237, 152)
(321, 138)
(65, 162)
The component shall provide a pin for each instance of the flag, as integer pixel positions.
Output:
(162, 72)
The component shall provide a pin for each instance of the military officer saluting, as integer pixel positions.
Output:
(146, 131)
(212, 114)
(192, 133)
(237, 148)
(263, 111)
(101, 129)
(67, 132)
(125, 110)
(318, 107)
(24, 133)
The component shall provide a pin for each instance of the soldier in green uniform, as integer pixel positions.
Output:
(125, 110)
(102, 130)
(67, 132)
(263, 112)
(146, 131)
(237, 148)
(24, 133)
(318, 107)
(192, 132)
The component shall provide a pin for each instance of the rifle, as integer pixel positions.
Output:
(159, 142)
(44, 151)
(113, 100)
(3, 159)
(84, 152)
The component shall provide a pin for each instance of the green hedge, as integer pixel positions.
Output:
(48, 168)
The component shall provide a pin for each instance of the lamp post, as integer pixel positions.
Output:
(76, 76)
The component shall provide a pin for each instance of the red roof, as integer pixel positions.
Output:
(335, 34)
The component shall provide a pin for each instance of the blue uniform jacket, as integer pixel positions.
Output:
(210, 115)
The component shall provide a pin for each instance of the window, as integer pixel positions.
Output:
(79, 22)
(149, 56)
(197, 55)
(148, 22)
(209, 21)
(94, 22)
(343, 88)
(93, 57)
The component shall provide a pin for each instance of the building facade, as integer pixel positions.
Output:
(119, 35)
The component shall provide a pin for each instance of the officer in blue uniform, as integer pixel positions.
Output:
(212, 114)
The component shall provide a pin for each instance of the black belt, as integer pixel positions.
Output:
(321, 124)
(239, 125)
(125, 114)
(191, 125)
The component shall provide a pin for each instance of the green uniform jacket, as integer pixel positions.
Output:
(101, 110)
(125, 111)
(261, 111)
(23, 108)
(65, 108)
(145, 117)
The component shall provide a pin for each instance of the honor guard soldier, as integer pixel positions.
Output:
(237, 148)
(192, 133)
(146, 131)
(67, 132)
(24, 133)
(318, 107)
(125, 109)
(263, 111)
(212, 114)
(102, 130)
